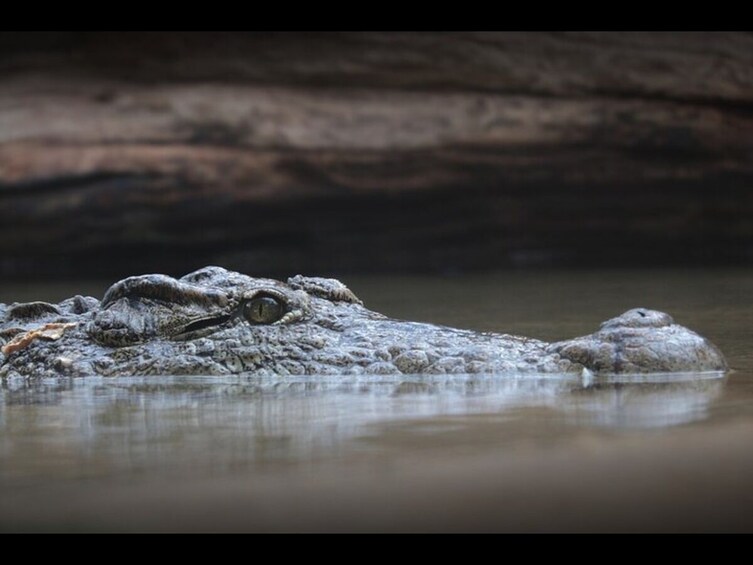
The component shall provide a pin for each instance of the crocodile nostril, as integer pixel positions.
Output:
(639, 318)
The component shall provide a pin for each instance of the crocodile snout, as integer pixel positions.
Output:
(642, 341)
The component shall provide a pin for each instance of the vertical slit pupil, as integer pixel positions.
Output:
(263, 310)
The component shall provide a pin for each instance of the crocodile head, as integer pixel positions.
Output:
(218, 322)
(215, 321)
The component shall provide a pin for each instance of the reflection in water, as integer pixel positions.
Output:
(95, 426)
(143, 454)
(646, 405)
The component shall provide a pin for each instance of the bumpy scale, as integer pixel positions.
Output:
(219, 322)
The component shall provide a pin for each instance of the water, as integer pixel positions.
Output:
(455, 453)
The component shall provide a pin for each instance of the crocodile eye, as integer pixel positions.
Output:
(263, 310)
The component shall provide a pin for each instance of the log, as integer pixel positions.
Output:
(337, 153)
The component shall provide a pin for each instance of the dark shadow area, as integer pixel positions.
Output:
(343, 153)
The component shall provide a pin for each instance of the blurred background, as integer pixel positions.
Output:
(344, 153)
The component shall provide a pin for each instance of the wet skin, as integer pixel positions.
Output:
(218, 322)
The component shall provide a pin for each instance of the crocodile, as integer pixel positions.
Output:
(218, 322)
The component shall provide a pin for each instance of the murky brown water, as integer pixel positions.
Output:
(434, 454)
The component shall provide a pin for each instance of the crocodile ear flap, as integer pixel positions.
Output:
(331, 289)
(31, 310)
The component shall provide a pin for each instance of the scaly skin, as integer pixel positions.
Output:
(218, 322)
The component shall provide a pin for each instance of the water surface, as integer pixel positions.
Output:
(479, 453)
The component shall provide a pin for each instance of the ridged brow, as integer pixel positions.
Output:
(167, 289)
